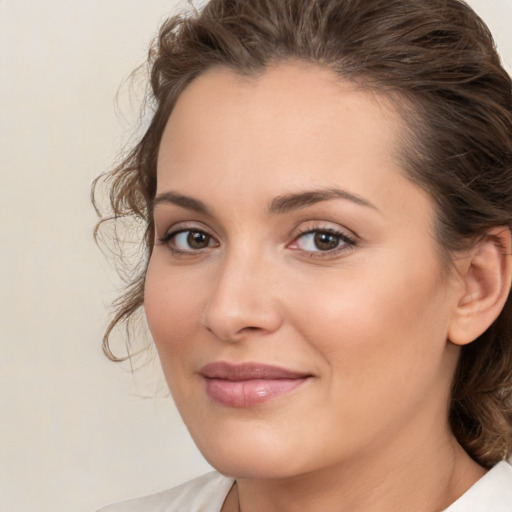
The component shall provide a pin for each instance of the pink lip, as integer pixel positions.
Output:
(248, 384)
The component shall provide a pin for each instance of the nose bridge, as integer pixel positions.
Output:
(242, 298)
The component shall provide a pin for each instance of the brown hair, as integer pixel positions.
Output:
(438, 60)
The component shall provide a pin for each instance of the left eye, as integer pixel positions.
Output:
(315, 241)
(189, 240)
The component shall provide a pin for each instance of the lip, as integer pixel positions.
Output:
(249, 384)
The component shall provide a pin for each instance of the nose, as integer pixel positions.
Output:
(243, 301)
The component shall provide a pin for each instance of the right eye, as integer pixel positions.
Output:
(188, 240)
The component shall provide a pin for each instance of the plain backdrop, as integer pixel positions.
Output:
(77, 431)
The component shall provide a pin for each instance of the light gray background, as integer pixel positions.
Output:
(74, 430)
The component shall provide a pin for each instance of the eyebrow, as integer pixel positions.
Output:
(181, 200)
(295, 201)
(279, 205)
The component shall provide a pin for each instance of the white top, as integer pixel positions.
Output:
(492, 493)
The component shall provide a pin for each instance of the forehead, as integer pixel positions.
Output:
(295, 123)
(292, 93)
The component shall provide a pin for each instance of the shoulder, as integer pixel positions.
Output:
(492, 493)
(203, 494)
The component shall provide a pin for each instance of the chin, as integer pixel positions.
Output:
(250, 465)
(249, 452)
(255, 450)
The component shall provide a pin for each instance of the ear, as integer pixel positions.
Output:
(486, 279)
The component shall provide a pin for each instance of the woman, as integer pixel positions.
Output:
(326, 186)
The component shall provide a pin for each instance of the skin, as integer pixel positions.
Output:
(369, 320)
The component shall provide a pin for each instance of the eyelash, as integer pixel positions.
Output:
(170, 236)
(345, 242)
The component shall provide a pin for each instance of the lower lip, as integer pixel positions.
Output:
(248, 393)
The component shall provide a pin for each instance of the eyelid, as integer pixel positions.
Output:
(183, 227)
(348, 240)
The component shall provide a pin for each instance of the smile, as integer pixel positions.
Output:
(250, 384)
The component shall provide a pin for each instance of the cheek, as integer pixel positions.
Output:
(370, 325)
(382, 347)
(172, 304)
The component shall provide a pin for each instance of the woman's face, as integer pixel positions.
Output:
(294, 293)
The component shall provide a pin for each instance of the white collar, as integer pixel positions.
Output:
(492, 493)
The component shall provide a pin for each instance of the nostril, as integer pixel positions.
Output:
(251, 329)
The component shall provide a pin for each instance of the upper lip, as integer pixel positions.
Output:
(248, 371)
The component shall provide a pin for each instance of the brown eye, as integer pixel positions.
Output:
(325, 241)
(188, 241)
(198, 240)
(321, 241)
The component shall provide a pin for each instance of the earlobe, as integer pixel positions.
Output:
(486, 275)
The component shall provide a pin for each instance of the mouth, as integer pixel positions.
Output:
(249, 384)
